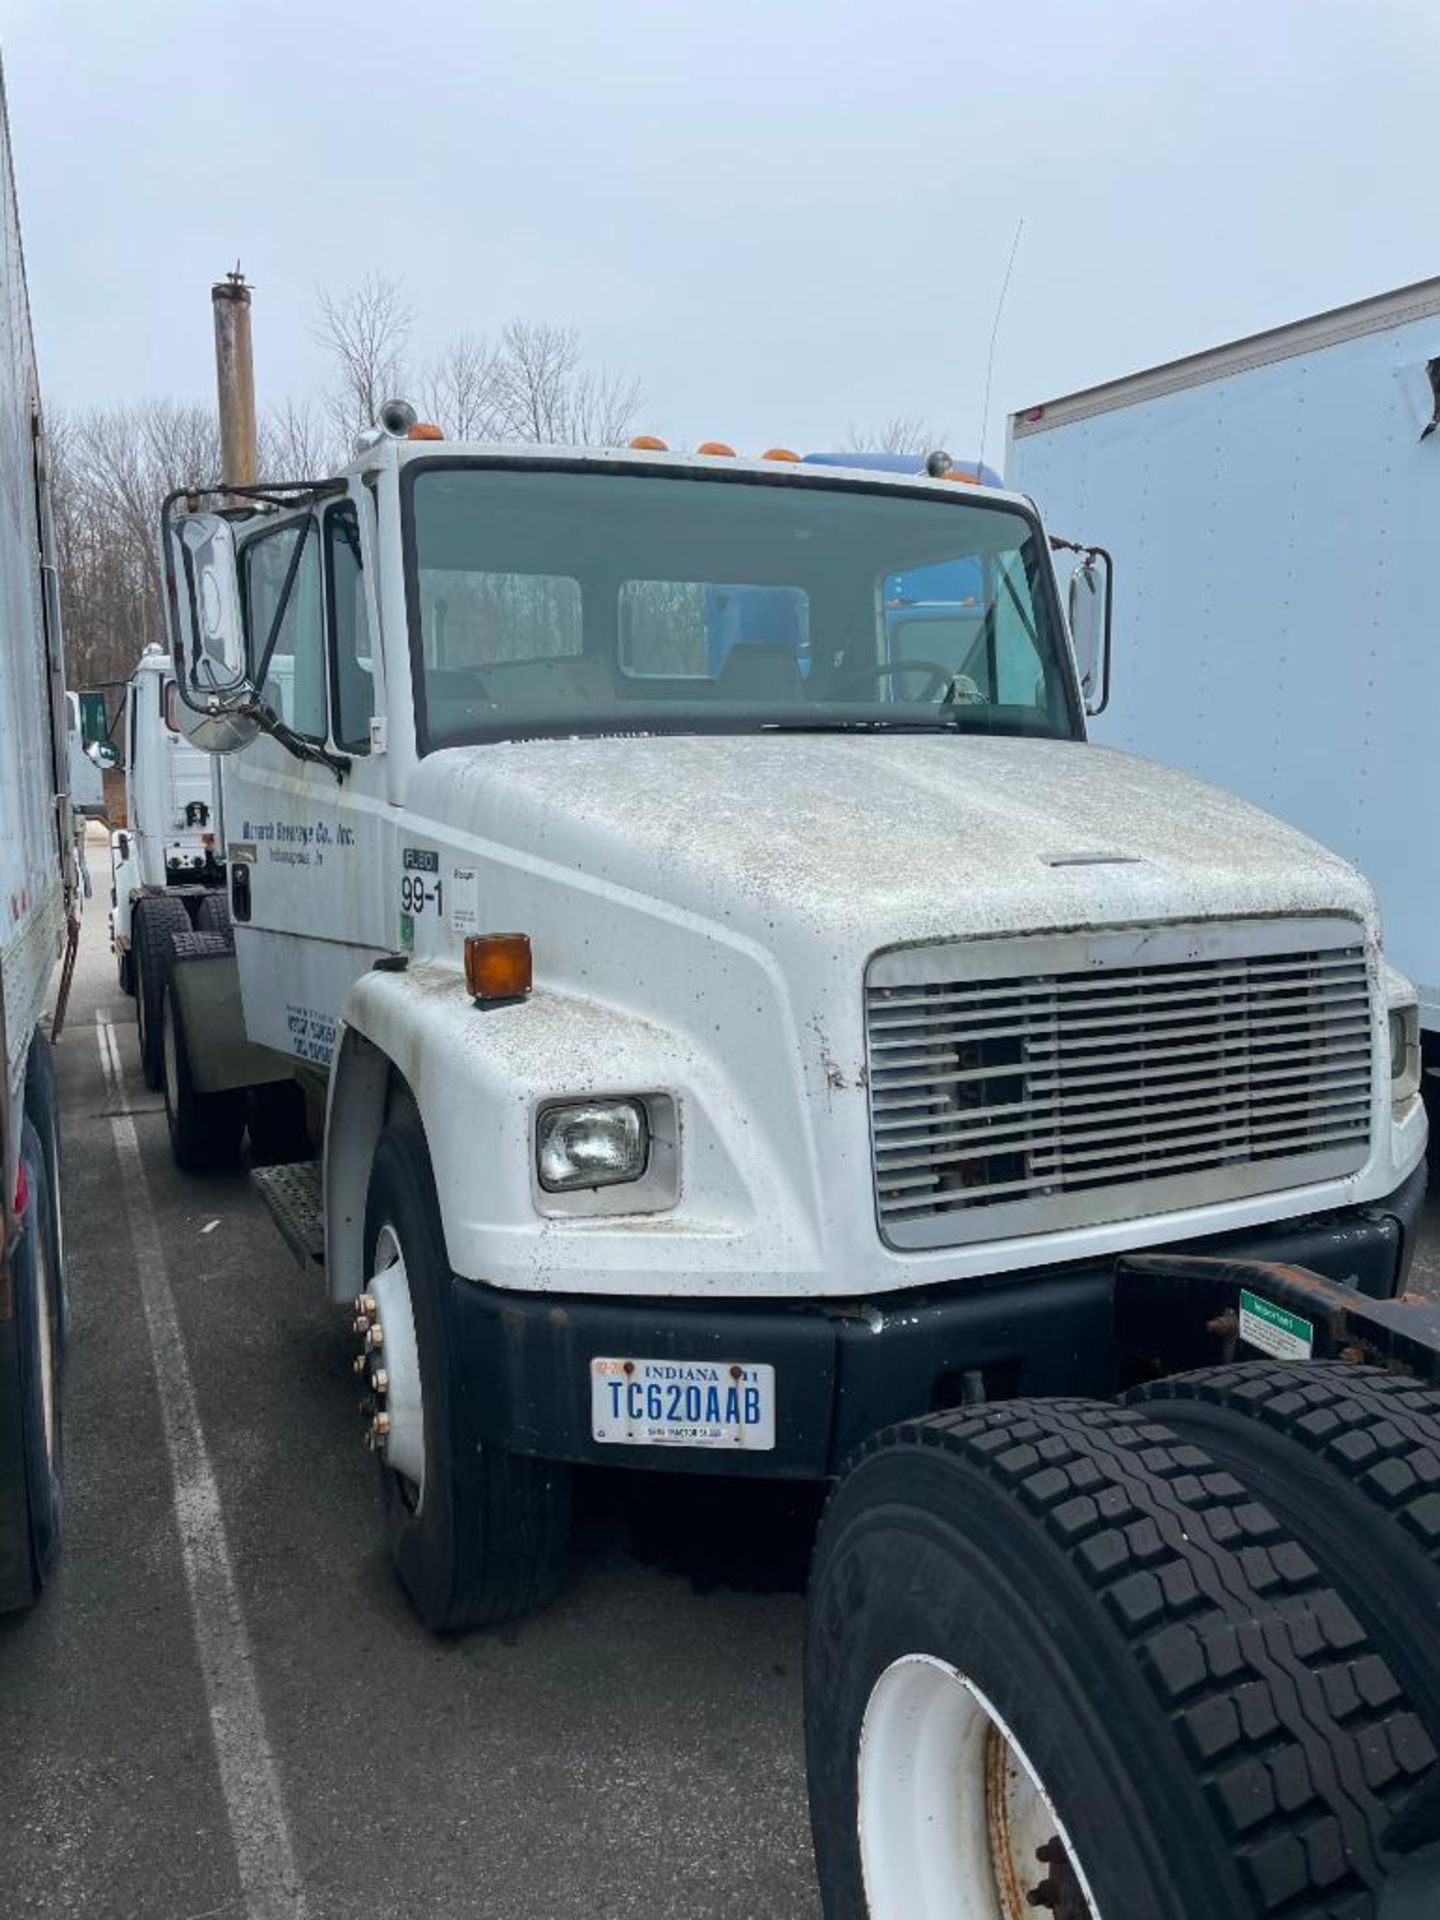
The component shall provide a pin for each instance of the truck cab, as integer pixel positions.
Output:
(718, 1054)
(164, 862)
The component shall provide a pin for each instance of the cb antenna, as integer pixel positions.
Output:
(995, 335)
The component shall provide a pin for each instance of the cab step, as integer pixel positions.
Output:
(296, 1202)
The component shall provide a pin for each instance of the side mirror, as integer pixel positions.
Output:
(104, 755)
(1090, 609)
(208, 633)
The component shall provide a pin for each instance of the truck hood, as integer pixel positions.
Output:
(874, 839)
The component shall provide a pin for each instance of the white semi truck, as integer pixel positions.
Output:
(166, 873)
(39, 900)
(1273, 507)
(741, 1020)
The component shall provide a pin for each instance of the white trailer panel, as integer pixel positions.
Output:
(35, 841)
(1273, 508)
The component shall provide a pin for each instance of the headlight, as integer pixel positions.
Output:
(1404, 1052)
(591, 1143)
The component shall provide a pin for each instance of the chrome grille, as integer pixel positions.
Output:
(1162, 1068)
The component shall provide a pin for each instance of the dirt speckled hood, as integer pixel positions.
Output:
(881, 838)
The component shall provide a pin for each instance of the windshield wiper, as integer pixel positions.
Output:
(936, 722)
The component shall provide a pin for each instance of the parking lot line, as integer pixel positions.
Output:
(249, 1778)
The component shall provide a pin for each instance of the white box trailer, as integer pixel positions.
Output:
(38, 898)
(1273, 509)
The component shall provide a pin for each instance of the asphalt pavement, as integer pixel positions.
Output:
(633, 1751)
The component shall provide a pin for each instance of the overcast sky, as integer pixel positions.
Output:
(783, 215)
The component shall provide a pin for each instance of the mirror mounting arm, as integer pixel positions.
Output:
(271, 723)
(286, 493)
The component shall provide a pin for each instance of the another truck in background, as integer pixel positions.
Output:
(39, 900)
(166, 875)
(1273, 507)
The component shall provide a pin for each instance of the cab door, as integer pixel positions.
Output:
(307, 823)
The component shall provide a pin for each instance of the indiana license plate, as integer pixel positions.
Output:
(683, 1403)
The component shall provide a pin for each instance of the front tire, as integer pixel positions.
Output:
(1053, 1641)
(477, 1534)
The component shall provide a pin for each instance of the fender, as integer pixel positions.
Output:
(124, 884)
(478, 1077)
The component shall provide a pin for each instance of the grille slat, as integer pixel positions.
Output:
(1236, 1123)
(1140, 998)
(1109, 981)
(1116, 1122)
(1353, 1007)
(1352, 1067)
(1041, 1092)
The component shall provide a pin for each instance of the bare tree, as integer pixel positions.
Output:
(112, 466)
(545, 393)
(901, 433)
(458, 390)
(366, 332)
(298, 442)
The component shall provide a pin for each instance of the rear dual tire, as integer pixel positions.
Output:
(156, 920)
(1103, 1610)
(1349, 1460)
(30, 1506)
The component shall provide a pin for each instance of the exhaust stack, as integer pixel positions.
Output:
(235, 380)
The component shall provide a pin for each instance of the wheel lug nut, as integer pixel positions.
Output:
(380, 1380)
(380, 1425)
(374, 1338)
(357, 1365)
(361, 1324)
(364, 1303)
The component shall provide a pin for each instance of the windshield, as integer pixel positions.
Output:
(559, 602)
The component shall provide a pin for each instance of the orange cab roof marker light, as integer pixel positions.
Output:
(716, 447)
(425, 430)
(779, 453)
(647, 443)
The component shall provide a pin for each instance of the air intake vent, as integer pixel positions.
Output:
(1159, 1069)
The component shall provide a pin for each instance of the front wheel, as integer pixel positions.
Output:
(477, 1534)
(1057, 1661)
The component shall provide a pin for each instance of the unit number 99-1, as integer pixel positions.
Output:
(415, 896)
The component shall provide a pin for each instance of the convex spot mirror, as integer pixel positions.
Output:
(1090, 611)
(209, 646)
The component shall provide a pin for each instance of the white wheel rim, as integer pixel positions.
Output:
(952, 1815)
(396, 1356)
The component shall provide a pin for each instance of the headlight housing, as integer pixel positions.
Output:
(1404, 1035)
(591, 1143)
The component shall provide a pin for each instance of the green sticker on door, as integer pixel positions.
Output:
(1274, 1330)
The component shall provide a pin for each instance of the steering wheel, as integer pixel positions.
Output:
(938, 683)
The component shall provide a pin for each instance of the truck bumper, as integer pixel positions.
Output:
(845, 1369)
